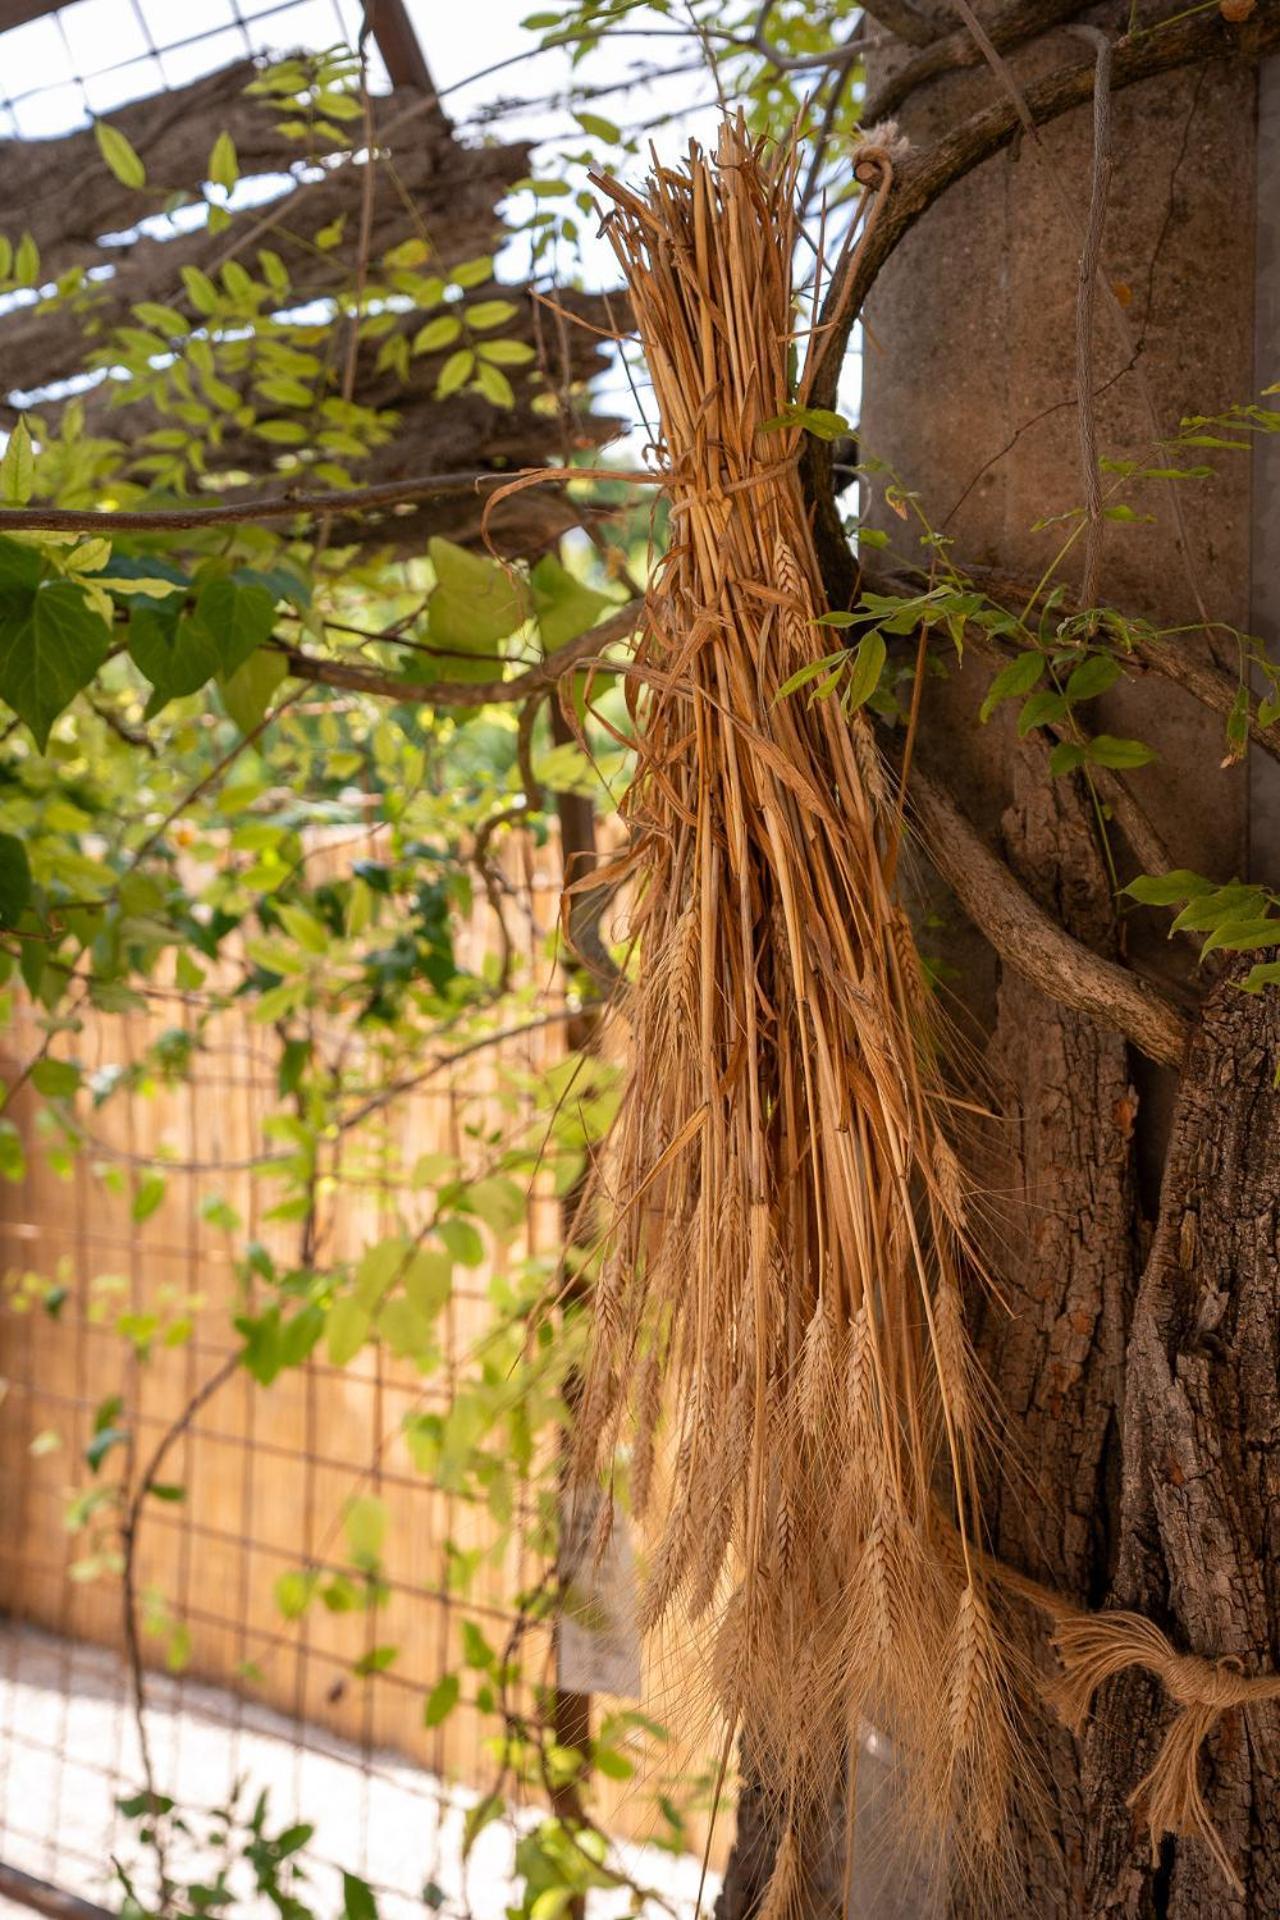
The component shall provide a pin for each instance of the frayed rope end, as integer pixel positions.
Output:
(1095, 1647)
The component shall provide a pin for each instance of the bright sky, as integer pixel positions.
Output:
(95, 54)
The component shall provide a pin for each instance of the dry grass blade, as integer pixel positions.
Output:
(796, 1260)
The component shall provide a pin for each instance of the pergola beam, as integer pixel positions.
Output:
(398, 44)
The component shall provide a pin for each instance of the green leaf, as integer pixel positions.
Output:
(249, 691)
(455, 372)
(441, 1700)
(428, 1281)
(376, 1660)
(819, 421)
(1238, 721)
(176, 652)
(1105, 750)
(864, 674)
(104, 1439)
(494, 385)
(407, 1333)
(1237, 936)
(1093, 676)
(55, 1079)
(812, 670)
(506, 353)
(409, 253)
(341, 1595)
(358, 1902)
(51, 645)
(476, 1650)
(1042, 709)
(1167, 889)
(1265, 974)
(224, 166)
(283, 391)
(596, 125)
(201, 291)
(239, 614)
(552, 1903)
(346, 1330)
(20, 567)
(309, 932)
(563, 605)
(13, 1158)
(480, 1816)
(1065, 758)
(379, 1266)
(15, 880)
(26, 264)
(18, 467)
(437, 334)
(474, 604)
(491, 313)
(366, 1529)
(293, 1593)
(119, 155)
(188, 975)
(1019, 677)
(463, 1242)
(473, 273)
(1235, 901)
(498, 1201)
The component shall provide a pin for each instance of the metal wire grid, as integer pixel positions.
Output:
(58, 71)
(267, 1476)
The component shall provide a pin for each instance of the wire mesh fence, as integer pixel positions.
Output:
(305, 1706)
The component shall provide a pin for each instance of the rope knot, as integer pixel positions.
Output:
(1094, 1648)
(1196, 1682)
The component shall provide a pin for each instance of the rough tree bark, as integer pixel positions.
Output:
(1199, 1501)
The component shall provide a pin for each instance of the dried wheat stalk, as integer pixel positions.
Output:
(786, 1217)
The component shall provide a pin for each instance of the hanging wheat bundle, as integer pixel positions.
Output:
(785, 1216)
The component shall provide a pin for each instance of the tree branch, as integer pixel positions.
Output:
(1145, 843)
(1033, 943)
(465, 693)
(385, 493)
(921, 179)
(908, 20)
(1022, 21)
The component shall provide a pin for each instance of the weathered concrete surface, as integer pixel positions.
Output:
(970, 374)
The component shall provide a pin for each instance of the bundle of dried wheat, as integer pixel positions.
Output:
(786, 1214)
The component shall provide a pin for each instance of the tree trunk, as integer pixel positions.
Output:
(1200, 1495)
(1140, 1433)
